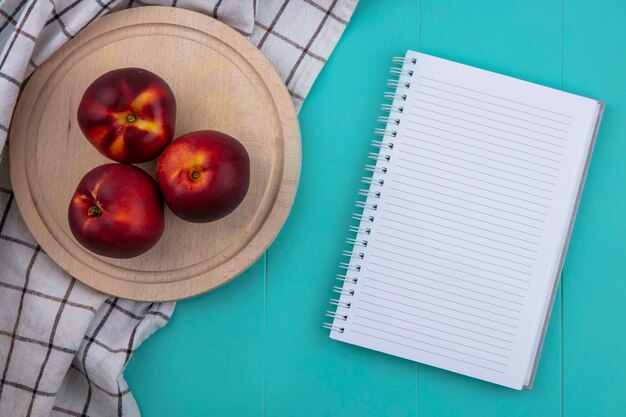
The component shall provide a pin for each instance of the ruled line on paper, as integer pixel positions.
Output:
(481, 341)
(490, 119)
(468, 201)
(446, 299)
(483, 165)
(495, 96)
(465, 273)
(447, 291)
(480, 172)
(483, 101)
(526, 168)
(449, 252)
(524, 144)
(395, 342)
(431, 344)
(369, 319)
(423, 140)
(462, 215)
(487, 110)
(414, 210)
(441, 276)
(489, 126)
(455, 262)
(439, 314)
(446, 307)
(439, 280)
(425, 166)
(421, 180)
(449, 244)
(441, 163)
(462, 232)
(457, 238)
(430, 319)
(486, 149)
(481, 108)
(473, 210)
(547, 142)
(491, 255)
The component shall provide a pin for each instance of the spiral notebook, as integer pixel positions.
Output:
(465, 221)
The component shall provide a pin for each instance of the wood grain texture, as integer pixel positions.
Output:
(221, 82)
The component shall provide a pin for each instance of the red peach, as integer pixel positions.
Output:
(128, 114)
(117, 211)
(204, 175)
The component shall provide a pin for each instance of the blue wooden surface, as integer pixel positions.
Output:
(255, 347)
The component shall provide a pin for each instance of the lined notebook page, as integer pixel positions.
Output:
(467, 237)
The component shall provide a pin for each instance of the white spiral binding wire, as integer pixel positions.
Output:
(364, 205)
(398, 84)
(394, 96)
(362, 218)
(388, 108)
(343, 291)
(356, 242)
(369, 193)
(380, 144)
(401, 60)
(384, 132)
(388, 120)
(399, 72)
(344, 278)
(349, 267)
(376, 169)
(339, 303)
(351, 254)
(334, 315)
(360, 230)
(378, 156)
(366, 217)
(371, 181)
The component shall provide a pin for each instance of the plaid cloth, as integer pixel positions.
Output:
(63, 345)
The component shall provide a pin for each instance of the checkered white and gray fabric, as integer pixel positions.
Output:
(63, 345)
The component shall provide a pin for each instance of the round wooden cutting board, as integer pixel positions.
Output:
(221, 82)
